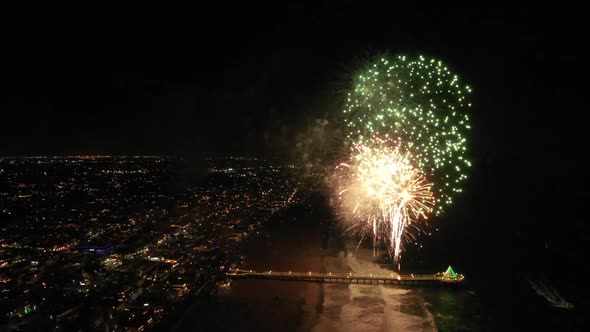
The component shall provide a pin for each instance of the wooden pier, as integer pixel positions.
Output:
(349, 278)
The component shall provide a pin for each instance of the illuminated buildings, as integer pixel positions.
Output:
(115, 232)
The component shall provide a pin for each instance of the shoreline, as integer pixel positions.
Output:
(301, 244)
(267, 305)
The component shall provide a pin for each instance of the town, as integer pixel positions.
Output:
(118, 243)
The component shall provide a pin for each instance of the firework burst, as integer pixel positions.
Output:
(406, 122)
(422, 104)
(381, 192)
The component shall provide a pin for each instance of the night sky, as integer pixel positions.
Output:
(247, 78)
(223, 78)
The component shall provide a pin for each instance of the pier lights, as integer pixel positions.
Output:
(399, 278)
(289, 272)
(269, 272)
(309, 273)
(330, 274)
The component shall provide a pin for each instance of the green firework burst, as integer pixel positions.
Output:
(422, 106)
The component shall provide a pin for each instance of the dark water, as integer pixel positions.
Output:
(495, 296)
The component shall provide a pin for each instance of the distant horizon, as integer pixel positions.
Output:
(204, 156)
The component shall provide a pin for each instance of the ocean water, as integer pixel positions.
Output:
(503, 302)
(495, 300)
(369, 307)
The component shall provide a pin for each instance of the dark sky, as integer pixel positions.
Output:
(216, 78)
(153, 79)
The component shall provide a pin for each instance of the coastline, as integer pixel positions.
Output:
(302, 244)
(268, 305)
(358, 307)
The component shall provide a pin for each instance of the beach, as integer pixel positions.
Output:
(304, 244)
(268, 305)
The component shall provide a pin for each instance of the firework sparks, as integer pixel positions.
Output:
(381, 192)
(419, 106)
(422, 104)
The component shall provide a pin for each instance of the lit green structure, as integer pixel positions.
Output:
(449, 273)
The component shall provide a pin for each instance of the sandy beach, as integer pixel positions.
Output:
(266, 305)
